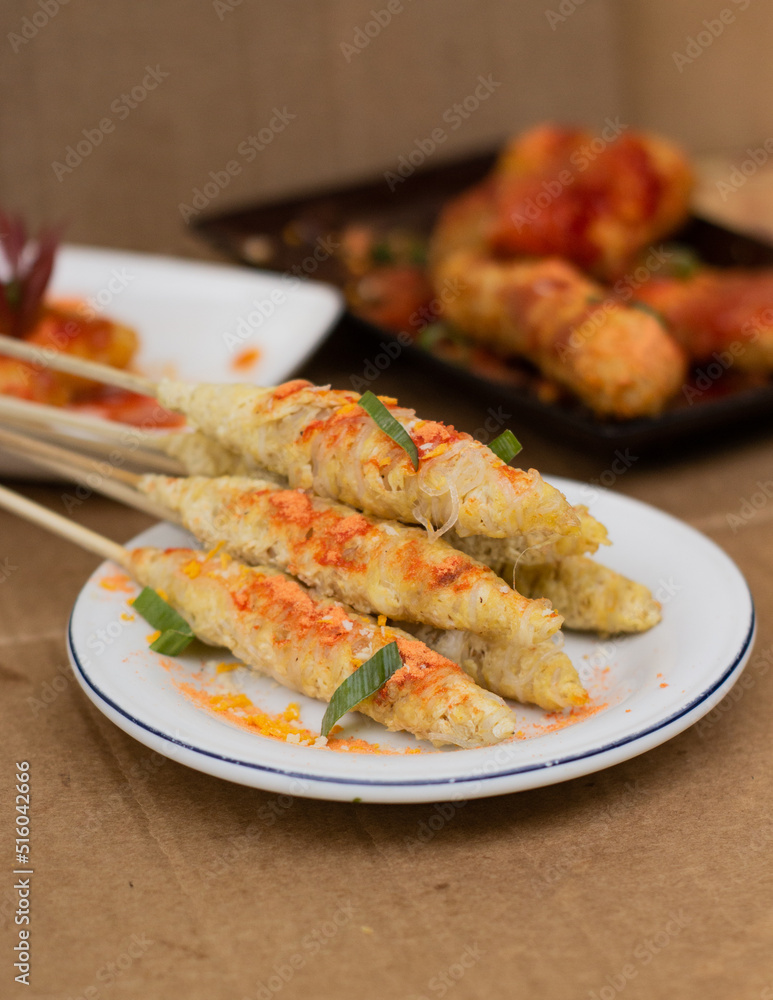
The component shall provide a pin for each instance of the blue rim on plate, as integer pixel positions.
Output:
(739, 659)
(703, 645)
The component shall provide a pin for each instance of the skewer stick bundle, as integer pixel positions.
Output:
(310, 645)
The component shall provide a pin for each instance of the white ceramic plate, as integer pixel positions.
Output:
(645, 688)
(194, 318)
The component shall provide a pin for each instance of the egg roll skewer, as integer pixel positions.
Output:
(308, 644)
(541, 674)
(311, 645)
(256, 522)
(375, 566)
(501, 553)
(320, 439)
(590, 596)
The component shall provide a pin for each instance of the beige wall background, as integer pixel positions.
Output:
(65, 68)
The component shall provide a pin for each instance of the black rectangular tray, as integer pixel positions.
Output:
(259, 236)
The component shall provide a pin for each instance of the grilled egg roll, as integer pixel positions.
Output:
(541, 674)
(322, 440)
(311, 645)
(202, 455)
(591, 597)
(375, 566)
(525, 550)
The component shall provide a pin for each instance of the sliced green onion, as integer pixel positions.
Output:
(364, 682)
(506, 446)
(176, 633)
(172, 642)
(376, 409)
(430, 335)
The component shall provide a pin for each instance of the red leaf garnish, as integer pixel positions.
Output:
(29, 264)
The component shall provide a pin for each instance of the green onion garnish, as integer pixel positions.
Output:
(172, 642)
(506, 446)
(176, 633)
(364, 682)
(376, 409)
(430, 335)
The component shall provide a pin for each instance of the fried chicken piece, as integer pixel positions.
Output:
(724, 312)
(594, 199)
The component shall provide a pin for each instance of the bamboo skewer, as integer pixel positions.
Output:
(149, 461)
(15, 503)
(72, 365)
(117, 436)
(116, 483)
(43, 450)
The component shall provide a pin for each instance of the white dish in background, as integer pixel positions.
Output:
(194, 318)
(656, 685)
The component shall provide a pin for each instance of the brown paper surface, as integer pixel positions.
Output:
(650, 879)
